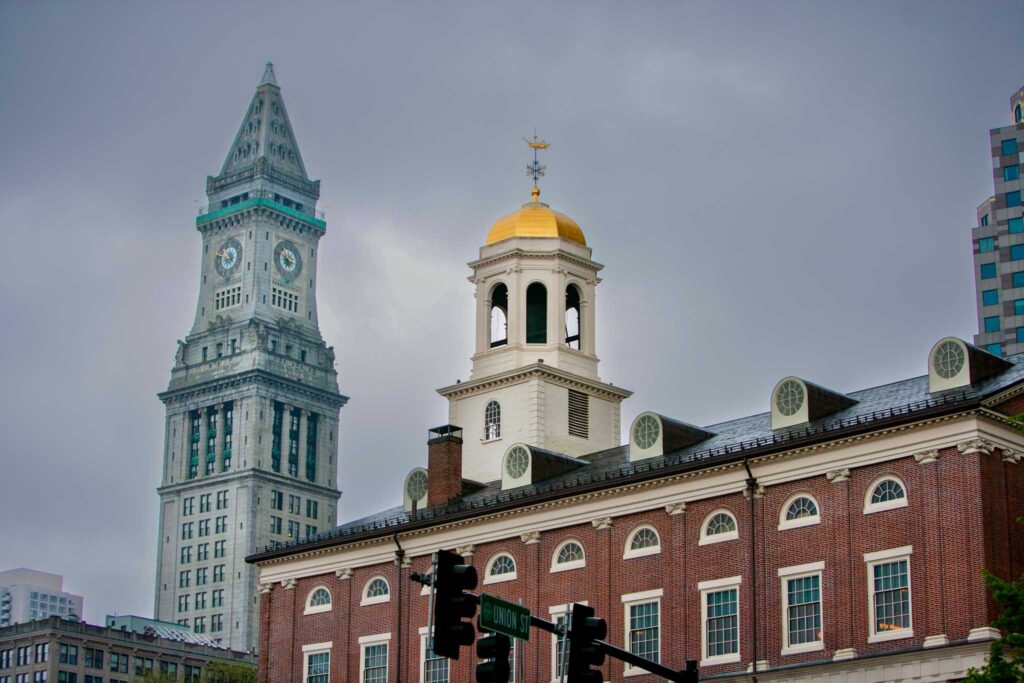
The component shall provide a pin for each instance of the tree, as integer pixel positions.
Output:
(1006, 656)
(229, 672)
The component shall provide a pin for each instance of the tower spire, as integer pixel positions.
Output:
(268, 75)
(535, 169)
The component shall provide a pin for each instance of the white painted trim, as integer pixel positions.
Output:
(871, 508)
(802, 521)
(643, 596)
(367, 641)
(808, 568)
(891, 635)
(719, 583)
(376, 638)
(983, 633)
(377, 599)
(629, 553)
(566, 566)
(500, 578)
(313, 647)
(424, 630)
(319, 608)
(423, 656)
(890, 553)
(720, 537)
(939, 640)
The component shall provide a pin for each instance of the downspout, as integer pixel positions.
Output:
(399, 558)
(751, 490)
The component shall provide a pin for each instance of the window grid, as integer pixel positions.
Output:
(318, 667)
(492, 420)
(228, 297)
(570, 552)
(645, 630)
(435, 668)
(375, 663)
(722, 625)
(720, 524)
(284, 299)
(887, 490)
(891, 596)
(644, 538)
(804, 609)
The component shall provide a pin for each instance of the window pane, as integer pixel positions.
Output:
(891, 596)
(1015, 225)
(988, 271)
(1017, 252)
(992, 323)
(1011, 172)
(1020, 335)
(375, 663)
(722, 625)
(804, 610)
(1018, 279)
(1009, 146)
(1013, 198)
(986, 244)
(990, 297)
(996, 349)
(644, 631)
(435, 669)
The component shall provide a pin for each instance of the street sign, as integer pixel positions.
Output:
(502, 616)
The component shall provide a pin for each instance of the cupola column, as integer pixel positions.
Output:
(483, 316)
(588, 328)
(516, 308)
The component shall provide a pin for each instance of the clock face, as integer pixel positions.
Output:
(228, 257)
(287, 259)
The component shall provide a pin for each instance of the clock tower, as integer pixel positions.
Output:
(251, 428)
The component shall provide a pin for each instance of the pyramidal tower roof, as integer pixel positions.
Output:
(266, 133)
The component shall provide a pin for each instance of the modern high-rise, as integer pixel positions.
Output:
(27, 595)
(998, 242)
(252, 408)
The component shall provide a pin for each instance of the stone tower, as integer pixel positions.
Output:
(252, 408)
(534, 379)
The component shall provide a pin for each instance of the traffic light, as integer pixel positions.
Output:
(452, 605)
(584, 629)
(494, 648)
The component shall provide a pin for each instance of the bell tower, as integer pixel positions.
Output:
(252, 407)
(534, 378)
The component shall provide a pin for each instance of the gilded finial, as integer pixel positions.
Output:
(535, 169)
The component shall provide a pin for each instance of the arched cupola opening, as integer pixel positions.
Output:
(536, 314)
(573, 317)
(499, 316)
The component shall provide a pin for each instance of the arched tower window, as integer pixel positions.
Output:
(536, 314)
(492, 420)
(499, 316)
(572, 317)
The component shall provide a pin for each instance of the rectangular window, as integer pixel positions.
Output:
(801, 606)
(992, 323)
(184, 578)
(644, 624)
(275, 525)
(1020, 335)
(42, 653)
(1018, 307)
(202, 552)
(23, 655)
(69, 654)
(169, 669)
(204, 527)
(318, 667)
(1013, 198)
(1017, 279)
(182, 603)
(293, 529)
(193, 674)
(186, 554)
(218, 548)
(187, 506)
(277, 500)
(720, 616)
(200, 600)
(294, 505)
(579, 414)
(93, 658)
(222, 524)
(375, 663)
(143, 666)
(119, 662)
(988, 271)
(1015, 225)
(227, 298)
(216, 623)
(284, 299)
(222, 500)
(200, 625)
(201, 579)
(217, 598)
(1009, 146)
(433, 669)
(67, 677)
(186, 531)
(1017, 252)
(984, 220)
(310, 530)
(5, 659)
(312, 508)
(889, 591)
(40, 677)
(1011, 172)
(995, 349)
(990, 297)
(986, 244)
(218, 573)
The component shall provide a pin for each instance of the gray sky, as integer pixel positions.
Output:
(775, 188)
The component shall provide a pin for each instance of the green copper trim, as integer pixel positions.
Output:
(261, 201)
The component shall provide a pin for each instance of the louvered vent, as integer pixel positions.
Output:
(579, 414)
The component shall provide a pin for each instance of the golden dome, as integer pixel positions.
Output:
(535, 219)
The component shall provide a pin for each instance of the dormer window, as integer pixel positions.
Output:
(954, 363)
(652, 435)
(796, 402)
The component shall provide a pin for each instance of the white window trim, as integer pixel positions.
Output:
(315, 649)
(318, 608)
(712, 586)
(424, 632)
(802, 521)
(884, 557)
(566, 566)
(377, 599)
(628, 601)
(554, 612)
(501, 578)
(797, 572)
(722, 537)
(629, 553)
(377, 639)
(870, 508)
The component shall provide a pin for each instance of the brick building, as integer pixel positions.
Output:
(836, 536)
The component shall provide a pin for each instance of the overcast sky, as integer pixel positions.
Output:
(775, 188)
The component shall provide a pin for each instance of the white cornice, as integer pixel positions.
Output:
(534, 370)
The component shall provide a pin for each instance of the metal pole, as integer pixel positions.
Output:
(433, 580)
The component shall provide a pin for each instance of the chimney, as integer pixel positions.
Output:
(444, 464)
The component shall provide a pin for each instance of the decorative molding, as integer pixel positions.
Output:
(935, 641)
(602, 523)
(843, 654)
(758, 492)
(983, 633)
(344, 573)
(674, 509)
(289, 584)
(926, 457)
(979, 446)
(265, 587)
(405, 562)
(466, 550)
(838, 476)
(1011, 456)
(530, 537)
(762, 666)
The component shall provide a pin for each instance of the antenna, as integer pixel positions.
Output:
(535, 169)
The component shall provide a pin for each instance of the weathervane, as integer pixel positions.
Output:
(535, 170)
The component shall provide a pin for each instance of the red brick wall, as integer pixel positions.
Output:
(956, 520)
(444, 470)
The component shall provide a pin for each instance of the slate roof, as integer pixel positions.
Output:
(875, 408)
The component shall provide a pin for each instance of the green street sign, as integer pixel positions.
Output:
(502, 616)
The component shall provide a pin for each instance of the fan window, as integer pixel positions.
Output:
(800, 510)
(643, 541)
(886, 493)
(568, 556)
(377, 590)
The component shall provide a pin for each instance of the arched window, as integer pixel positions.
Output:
(536, 314)
(318, 600)
(799, 510)
(886, 493)
(499, 316)
(643, 541)
(502, 567)
(568, 555)
(573, 319)
(719, 526)
(377, 590)
(1018, 114)
(492, 421)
